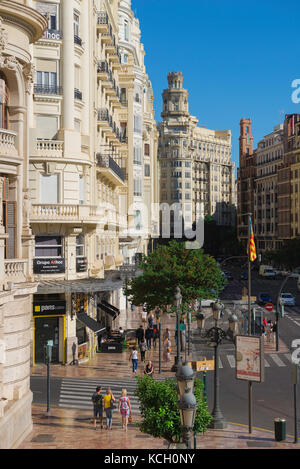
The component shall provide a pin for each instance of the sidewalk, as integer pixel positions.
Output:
(73, 429)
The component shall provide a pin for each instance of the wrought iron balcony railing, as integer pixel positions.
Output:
(106, 161)
(77, 94)
(48, 89)
(77, 40)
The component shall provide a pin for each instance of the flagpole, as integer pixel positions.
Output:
(249, 323)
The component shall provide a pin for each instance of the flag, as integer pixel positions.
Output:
(252, 244)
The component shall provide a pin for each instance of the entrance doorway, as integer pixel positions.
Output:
(46, 328)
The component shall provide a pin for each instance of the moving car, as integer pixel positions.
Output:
(264, 298)
(287, 299)
(267, 271)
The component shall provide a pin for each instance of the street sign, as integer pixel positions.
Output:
(203, 365)
(269, 306)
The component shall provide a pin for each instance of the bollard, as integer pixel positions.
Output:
(280, 429)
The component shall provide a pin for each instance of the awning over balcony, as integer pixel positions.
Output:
(89, 285)
(109, 309)
(91, 323)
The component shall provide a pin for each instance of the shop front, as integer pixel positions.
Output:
(49, 324)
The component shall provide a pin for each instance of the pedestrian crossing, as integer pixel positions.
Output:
(77, 393)
(271, 360)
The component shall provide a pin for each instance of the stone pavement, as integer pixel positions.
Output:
(73, 429)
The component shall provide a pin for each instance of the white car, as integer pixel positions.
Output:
(287, 299)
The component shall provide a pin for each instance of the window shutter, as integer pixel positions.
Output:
(10, 223)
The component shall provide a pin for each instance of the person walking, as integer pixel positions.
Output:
(140, 334)
(149, 370)
(144, 317)
(166, 334)
(143, 348)
(149, 336)
(269, 330)
(150, 320)
(167, 349)
(109, 400)
(124, 408)
(274, 330)
(97, 399)
(156, 334)
(134, 360)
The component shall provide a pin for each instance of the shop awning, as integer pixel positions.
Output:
(109, 309)
(88, 285)
(91, 323)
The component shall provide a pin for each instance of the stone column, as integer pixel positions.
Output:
(87, 64)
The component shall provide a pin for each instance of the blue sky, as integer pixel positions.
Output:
(238, 59)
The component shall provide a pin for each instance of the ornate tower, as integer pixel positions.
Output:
(175, 98)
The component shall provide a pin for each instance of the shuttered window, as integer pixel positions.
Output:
(10, 223)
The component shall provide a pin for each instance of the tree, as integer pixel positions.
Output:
(288, 256)
(193, 271)
(159, 408)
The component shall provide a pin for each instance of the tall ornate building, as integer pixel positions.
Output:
(195, 162)
(20, 26)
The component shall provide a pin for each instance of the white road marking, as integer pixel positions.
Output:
(277, 360)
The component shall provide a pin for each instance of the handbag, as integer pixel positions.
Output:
(130, 419)
(112, 405)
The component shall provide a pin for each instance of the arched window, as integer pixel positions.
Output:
(4, 101)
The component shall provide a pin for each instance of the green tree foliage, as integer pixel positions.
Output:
(160, 412)
(288, 256)
(169, 266)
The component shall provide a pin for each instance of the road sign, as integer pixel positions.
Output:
(203, 365)
(269, 306)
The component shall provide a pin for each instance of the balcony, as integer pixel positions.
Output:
(50, 148)
(63, 213)
(108, 167)
(15, 270)
(48, 89)
(102, 69)
(7, 143)
(102, 22)
(77, 40)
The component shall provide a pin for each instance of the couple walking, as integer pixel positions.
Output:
(106, 402)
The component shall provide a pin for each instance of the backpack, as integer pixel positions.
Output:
(97, 399)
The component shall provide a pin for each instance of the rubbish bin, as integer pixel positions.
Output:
(280, 429)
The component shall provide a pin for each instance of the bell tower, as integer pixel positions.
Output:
(175, 98)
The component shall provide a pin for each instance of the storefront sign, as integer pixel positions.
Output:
(249, 358)
(49, 308)
(81, 264)
(52, 34)
(48, 266)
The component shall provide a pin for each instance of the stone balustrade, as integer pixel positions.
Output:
(50, 148)
(7, 143)
(62, 212)
(15, 269)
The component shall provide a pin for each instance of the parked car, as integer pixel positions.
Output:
(264, 298)
(244, 276)
(287, 299)
(227, 275)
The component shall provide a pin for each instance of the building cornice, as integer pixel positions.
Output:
(25, 17)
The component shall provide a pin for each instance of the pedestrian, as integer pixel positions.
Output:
(265, 327)
(167, 350)
(97, 399)
(150, 320)
(157, 315)
(143, 348)
(166, 334)
(149, 336)
(149, 370)
(182, 335)
(134, 359)
(140, 334)
(268, 331)
(274, 329)
(109, 406)
(155, 335)
(144, 317)
(124, 408)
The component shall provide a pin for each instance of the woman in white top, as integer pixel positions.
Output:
(134, 359)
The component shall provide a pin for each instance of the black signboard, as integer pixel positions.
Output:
(49, 266)
(81, 264)
(49, 308)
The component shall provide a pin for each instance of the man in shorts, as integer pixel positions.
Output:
(97, 399)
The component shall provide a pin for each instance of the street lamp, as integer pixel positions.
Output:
(186, 401)
(177, 302)
(215, 336)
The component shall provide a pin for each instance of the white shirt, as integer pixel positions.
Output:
(134, 355)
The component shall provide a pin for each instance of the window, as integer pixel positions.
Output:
(4, 102)
(80, 246)
(147, 149)
(138, 124)
(137, 219)
(137, 187)
(49, 188)
(46, 82)
(147, 170)
(76, 25)
(126, 30)
(137, 155)
(50, 11)
(46, 127)
(48, 246)
(124, 58)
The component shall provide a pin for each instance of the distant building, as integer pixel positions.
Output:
(195, 162)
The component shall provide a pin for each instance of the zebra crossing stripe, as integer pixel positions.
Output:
(231, 360)
(277, 360)
(266, 364)
(220, 363)
(288, 357)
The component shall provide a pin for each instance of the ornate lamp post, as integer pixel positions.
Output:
(186, 401)
(215, 336)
